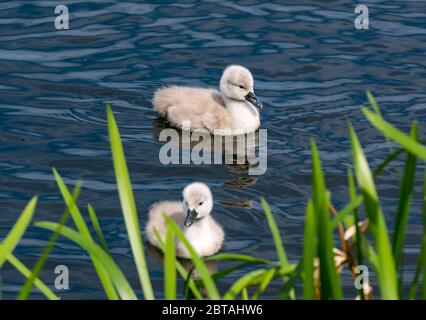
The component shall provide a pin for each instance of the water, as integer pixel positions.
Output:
(311, 69)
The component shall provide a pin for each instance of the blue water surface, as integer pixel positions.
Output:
(311, 68)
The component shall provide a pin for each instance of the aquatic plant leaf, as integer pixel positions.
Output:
(309, 252)
(98, 255)
(346, 212)
(279, 247)
(189, 282)
(97, 227)
(403, 210)
(44, 289)
(206, 278)
(242, 283)
(330, 280)
(169, 266)
(423, 256)
(26, 289)
(239, 257)
(15, 234)
(128, 204)
(84, 231)
(386, 272)
(389, 131)
(268, 276)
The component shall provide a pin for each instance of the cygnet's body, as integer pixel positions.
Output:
(193, 216)
(232, 111)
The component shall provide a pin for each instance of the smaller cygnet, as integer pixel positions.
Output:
(193, 215)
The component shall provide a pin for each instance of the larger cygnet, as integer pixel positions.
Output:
(193, 216)
(232, 111)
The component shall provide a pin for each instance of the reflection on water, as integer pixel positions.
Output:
(311, 69)
(248, 152)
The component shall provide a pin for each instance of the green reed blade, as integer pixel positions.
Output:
(330, 280)
(97, 227)
(15, 234)
(242, 283)
(279, 247)
(387, 273)
(26, 289)
(169, 266)
(98, 255)
(84, 231)
(264, 284)
(423, 296)
(309, 252)
(44, 289)
(208, 282)
(128, 204)
(239, 257)
(403, 210)
(189, 282)
(389, 131)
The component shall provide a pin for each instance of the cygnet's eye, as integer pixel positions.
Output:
(242, 87)
(200, 203)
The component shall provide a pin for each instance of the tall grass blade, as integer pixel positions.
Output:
(189, 282)
(279, 247)
(222, 273)
(330, 281)
(389, 131)
(97, 227)
(309, 252)
(239, 257)
(242, 283)
(344, 215)
(84, 231)
(264, 284)
(128, 205)
(244, 294)
(206, 278)
(26, 289)
(44, 289)
(387, 273)
(373, 103)
(423, 257)
(421, 263)
(98, 255)
(15, 234)
(376, 109)
(169, 266)
(255, 278)
(405, 196)
(358, 235)
(289, 287)
(414, 283)
(387, 161)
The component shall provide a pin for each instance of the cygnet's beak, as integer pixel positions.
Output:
(191, 215)
(250, 97)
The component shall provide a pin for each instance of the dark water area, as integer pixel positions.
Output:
(311, 69)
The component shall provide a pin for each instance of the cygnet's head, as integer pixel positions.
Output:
(197, 202)
(237, 83)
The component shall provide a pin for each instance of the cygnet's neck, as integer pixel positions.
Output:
(198, 226)
(245, 116)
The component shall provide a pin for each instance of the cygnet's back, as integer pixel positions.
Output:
(204, 108)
